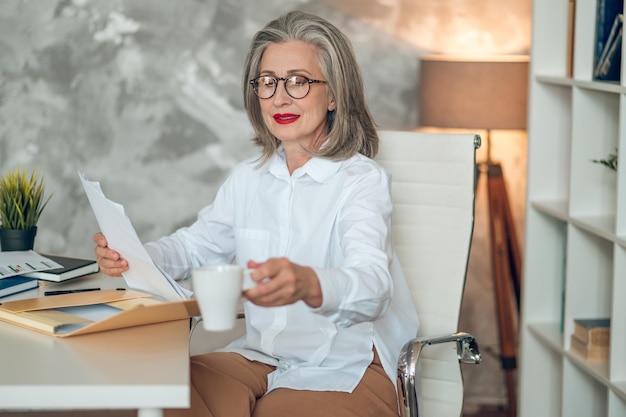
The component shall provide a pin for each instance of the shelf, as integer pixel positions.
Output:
(599, 370)
(608, 87)
(620, 389)
(548, 333)
(554, 208)
(555, 80)
(602, 226)
(600, 86)
(575, 242)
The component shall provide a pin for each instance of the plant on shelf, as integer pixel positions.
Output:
(610, 161)
(21, 203)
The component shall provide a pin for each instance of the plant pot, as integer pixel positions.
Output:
(14, 239)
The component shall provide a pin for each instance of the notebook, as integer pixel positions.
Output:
(72, 268)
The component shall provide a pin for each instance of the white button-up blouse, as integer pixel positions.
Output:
(334, 216)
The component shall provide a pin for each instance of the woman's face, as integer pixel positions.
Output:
(301, 121)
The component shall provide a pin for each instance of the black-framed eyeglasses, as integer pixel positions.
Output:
(296, 86)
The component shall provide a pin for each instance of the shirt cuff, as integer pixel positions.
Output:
(332, 288)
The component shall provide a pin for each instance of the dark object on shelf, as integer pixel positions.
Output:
(607, 49)
(609, 65)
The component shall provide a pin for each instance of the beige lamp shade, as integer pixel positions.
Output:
(477, 93)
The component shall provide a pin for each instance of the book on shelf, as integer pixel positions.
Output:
(609, 64)
(14, 285)
(72, 268)
(571, 21)
(593, 332)
(563, 275)
(608, 38)
(588, 351)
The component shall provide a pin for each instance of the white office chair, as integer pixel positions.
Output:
(433, 188)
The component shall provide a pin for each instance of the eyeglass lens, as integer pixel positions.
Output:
(296, 86)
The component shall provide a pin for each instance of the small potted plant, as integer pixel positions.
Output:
(21, 204)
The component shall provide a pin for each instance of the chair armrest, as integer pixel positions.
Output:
(466, 346)
(467, 352)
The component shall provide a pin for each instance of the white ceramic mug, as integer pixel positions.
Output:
(218, 288)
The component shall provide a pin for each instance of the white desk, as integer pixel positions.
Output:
(144, 367)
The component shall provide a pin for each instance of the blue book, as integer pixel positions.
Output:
(13, 285)
(606, 13)
(608, 67)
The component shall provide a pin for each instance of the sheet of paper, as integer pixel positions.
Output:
(142, 274)
(14, 263)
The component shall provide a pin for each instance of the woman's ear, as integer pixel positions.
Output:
(331, 104)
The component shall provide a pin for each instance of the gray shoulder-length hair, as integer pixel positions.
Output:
(351, 127)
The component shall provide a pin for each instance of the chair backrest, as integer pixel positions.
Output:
(433, 189)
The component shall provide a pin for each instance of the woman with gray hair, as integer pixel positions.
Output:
(311, 216)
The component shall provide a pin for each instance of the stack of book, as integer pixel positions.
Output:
(71, 268)
(591, 338)
(14, 277)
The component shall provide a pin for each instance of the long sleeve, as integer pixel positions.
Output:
(334, 216)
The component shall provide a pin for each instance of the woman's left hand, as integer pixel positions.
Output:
(281, 282)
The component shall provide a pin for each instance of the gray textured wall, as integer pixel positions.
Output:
(144, 96)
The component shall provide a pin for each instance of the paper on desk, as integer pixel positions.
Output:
(23, 262)
(142, 274)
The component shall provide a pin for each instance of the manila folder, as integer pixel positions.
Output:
(95, 311)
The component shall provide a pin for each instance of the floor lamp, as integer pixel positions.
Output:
(486, 93)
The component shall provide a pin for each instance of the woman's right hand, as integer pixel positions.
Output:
(110, 261)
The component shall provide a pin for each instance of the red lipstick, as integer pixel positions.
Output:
(285, 118)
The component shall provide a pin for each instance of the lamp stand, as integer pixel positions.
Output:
(506, 265)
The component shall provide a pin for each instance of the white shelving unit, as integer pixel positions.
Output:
(575, 243)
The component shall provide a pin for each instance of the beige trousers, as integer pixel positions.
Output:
(226, 384)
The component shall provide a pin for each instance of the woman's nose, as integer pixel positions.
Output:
(281, 96)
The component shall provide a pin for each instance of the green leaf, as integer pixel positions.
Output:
(610, 161)
(21, 199)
